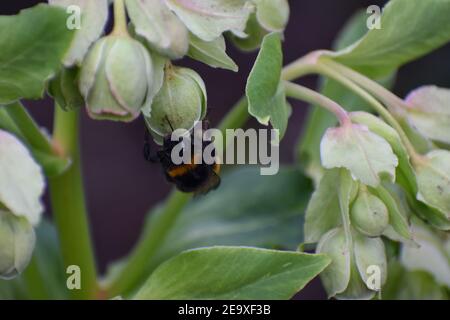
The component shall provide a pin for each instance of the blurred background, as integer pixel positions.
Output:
(121, 186)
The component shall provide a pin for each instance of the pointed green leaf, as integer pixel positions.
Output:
(265, 93)
(31, 52)
(212, 53)
(407, 32)
(249, 210)
(211, 273)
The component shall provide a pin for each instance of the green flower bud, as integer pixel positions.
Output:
(180, 103)
(116, 78)
(369, 215)
(17, 241)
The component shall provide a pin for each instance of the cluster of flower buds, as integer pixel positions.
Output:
(118, 77)
(128, 72)
(21, 187)
(376, 183)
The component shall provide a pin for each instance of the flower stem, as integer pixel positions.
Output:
(374, 103)
(68, 204)
(34, 282)
(357, 83)
(234, 119)
(120, 18)
(28, 127)
(395, 105)
(135, 268)
(305, 94)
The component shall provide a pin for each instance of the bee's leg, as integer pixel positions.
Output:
(153, 158)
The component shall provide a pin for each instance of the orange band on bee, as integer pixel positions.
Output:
(181, 170)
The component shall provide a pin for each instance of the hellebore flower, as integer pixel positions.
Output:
(358, 268)
(117, 78)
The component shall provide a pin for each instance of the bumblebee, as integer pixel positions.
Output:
(197, 178)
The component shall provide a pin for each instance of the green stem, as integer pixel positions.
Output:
(312, 97)
(35, 283)
(374, 103)
(135, 268)
(137, 265)
(28, 127)
(358, 84)
(120, 18)
(234, 119)
(395, 105)
(68, 204)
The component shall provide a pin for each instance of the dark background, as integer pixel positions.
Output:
(121, 186)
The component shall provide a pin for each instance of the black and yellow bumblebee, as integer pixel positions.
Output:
(193, 177)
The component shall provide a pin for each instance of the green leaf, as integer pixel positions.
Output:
(265, 93)
(319, 119)
(272, 15)
(163, 31)
(16, 167)
(45, 277)
(32, 51)
(212, 53)
(94, 15)
(429, 112)
(365, 154)
(249, 210)
(409, 30)
(209, 19)
(233, 273)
